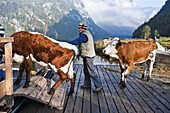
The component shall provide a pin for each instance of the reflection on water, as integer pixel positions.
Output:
(100, 60)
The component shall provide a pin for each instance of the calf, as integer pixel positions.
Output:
(131, 53)
(28, 47)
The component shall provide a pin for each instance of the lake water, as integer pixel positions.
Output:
(97, 61)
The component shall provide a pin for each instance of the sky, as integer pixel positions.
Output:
(131, 13)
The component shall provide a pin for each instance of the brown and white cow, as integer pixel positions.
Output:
(131, 53)
(29, 46)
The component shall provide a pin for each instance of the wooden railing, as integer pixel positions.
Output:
(6, 86)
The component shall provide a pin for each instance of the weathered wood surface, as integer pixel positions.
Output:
(138, 97)
(38, 90)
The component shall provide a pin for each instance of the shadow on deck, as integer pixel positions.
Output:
(139, 96)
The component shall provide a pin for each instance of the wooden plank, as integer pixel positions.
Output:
(86, 101)
(9, 75)
(94, 101)
(2, 88)
(64, 96)
(156, 101)
(20, 91)
(33, 85)
(136, 100)
(36, 93)
(71, 99)
(144, 95)
(58, 96)
(6, 39)
(152, 86)
(38, 88)
(78, 102)
(45, 97)
(136, 105)
(102, 99)
(158, 92)
(111, 103)
(2, 66)
(112, 86)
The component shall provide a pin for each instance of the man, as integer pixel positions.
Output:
(2, 32)
(87, 52)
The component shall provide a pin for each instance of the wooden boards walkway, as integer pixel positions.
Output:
(38, 88)
(138, 97)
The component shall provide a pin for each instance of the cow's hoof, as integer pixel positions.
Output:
(16, 82)
(26, 85)
(148, 79)
(51, 92)
(143, 78)
(122, 85)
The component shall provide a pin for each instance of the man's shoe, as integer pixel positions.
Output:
(85, 87)
(97, 89)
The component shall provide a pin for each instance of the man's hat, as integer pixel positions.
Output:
(83, 25)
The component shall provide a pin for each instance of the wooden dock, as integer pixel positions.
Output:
(138, 97)
(38, 88)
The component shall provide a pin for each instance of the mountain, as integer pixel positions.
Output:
(160, 22)
(115, 30)
(63, 18)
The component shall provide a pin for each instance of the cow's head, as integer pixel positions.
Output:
(111, 48)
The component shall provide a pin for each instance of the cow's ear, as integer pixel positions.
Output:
(118, 44)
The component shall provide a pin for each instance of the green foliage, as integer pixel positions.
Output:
(99, 46)
(146, 31)
(156, 33)
(164, 41)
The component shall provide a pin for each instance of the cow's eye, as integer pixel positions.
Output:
(113, 45)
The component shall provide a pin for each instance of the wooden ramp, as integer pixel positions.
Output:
(38, 88)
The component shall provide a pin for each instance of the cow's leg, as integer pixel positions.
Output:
(21, 70)
(28, 64)
(72, 85)
(151, 66)
(122, 82)
(144, 71)
(62, 77)
(150, 70)
(54, 87)
(122, 69)
(125, 74)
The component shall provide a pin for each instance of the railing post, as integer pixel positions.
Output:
(9, 75)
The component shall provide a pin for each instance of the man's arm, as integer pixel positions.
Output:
(81, 39)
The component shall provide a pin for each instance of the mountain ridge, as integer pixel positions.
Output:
(160, 22)
(63, 18)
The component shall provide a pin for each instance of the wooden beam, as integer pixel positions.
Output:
(9, 75)
(2, 66)
(6, 39)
